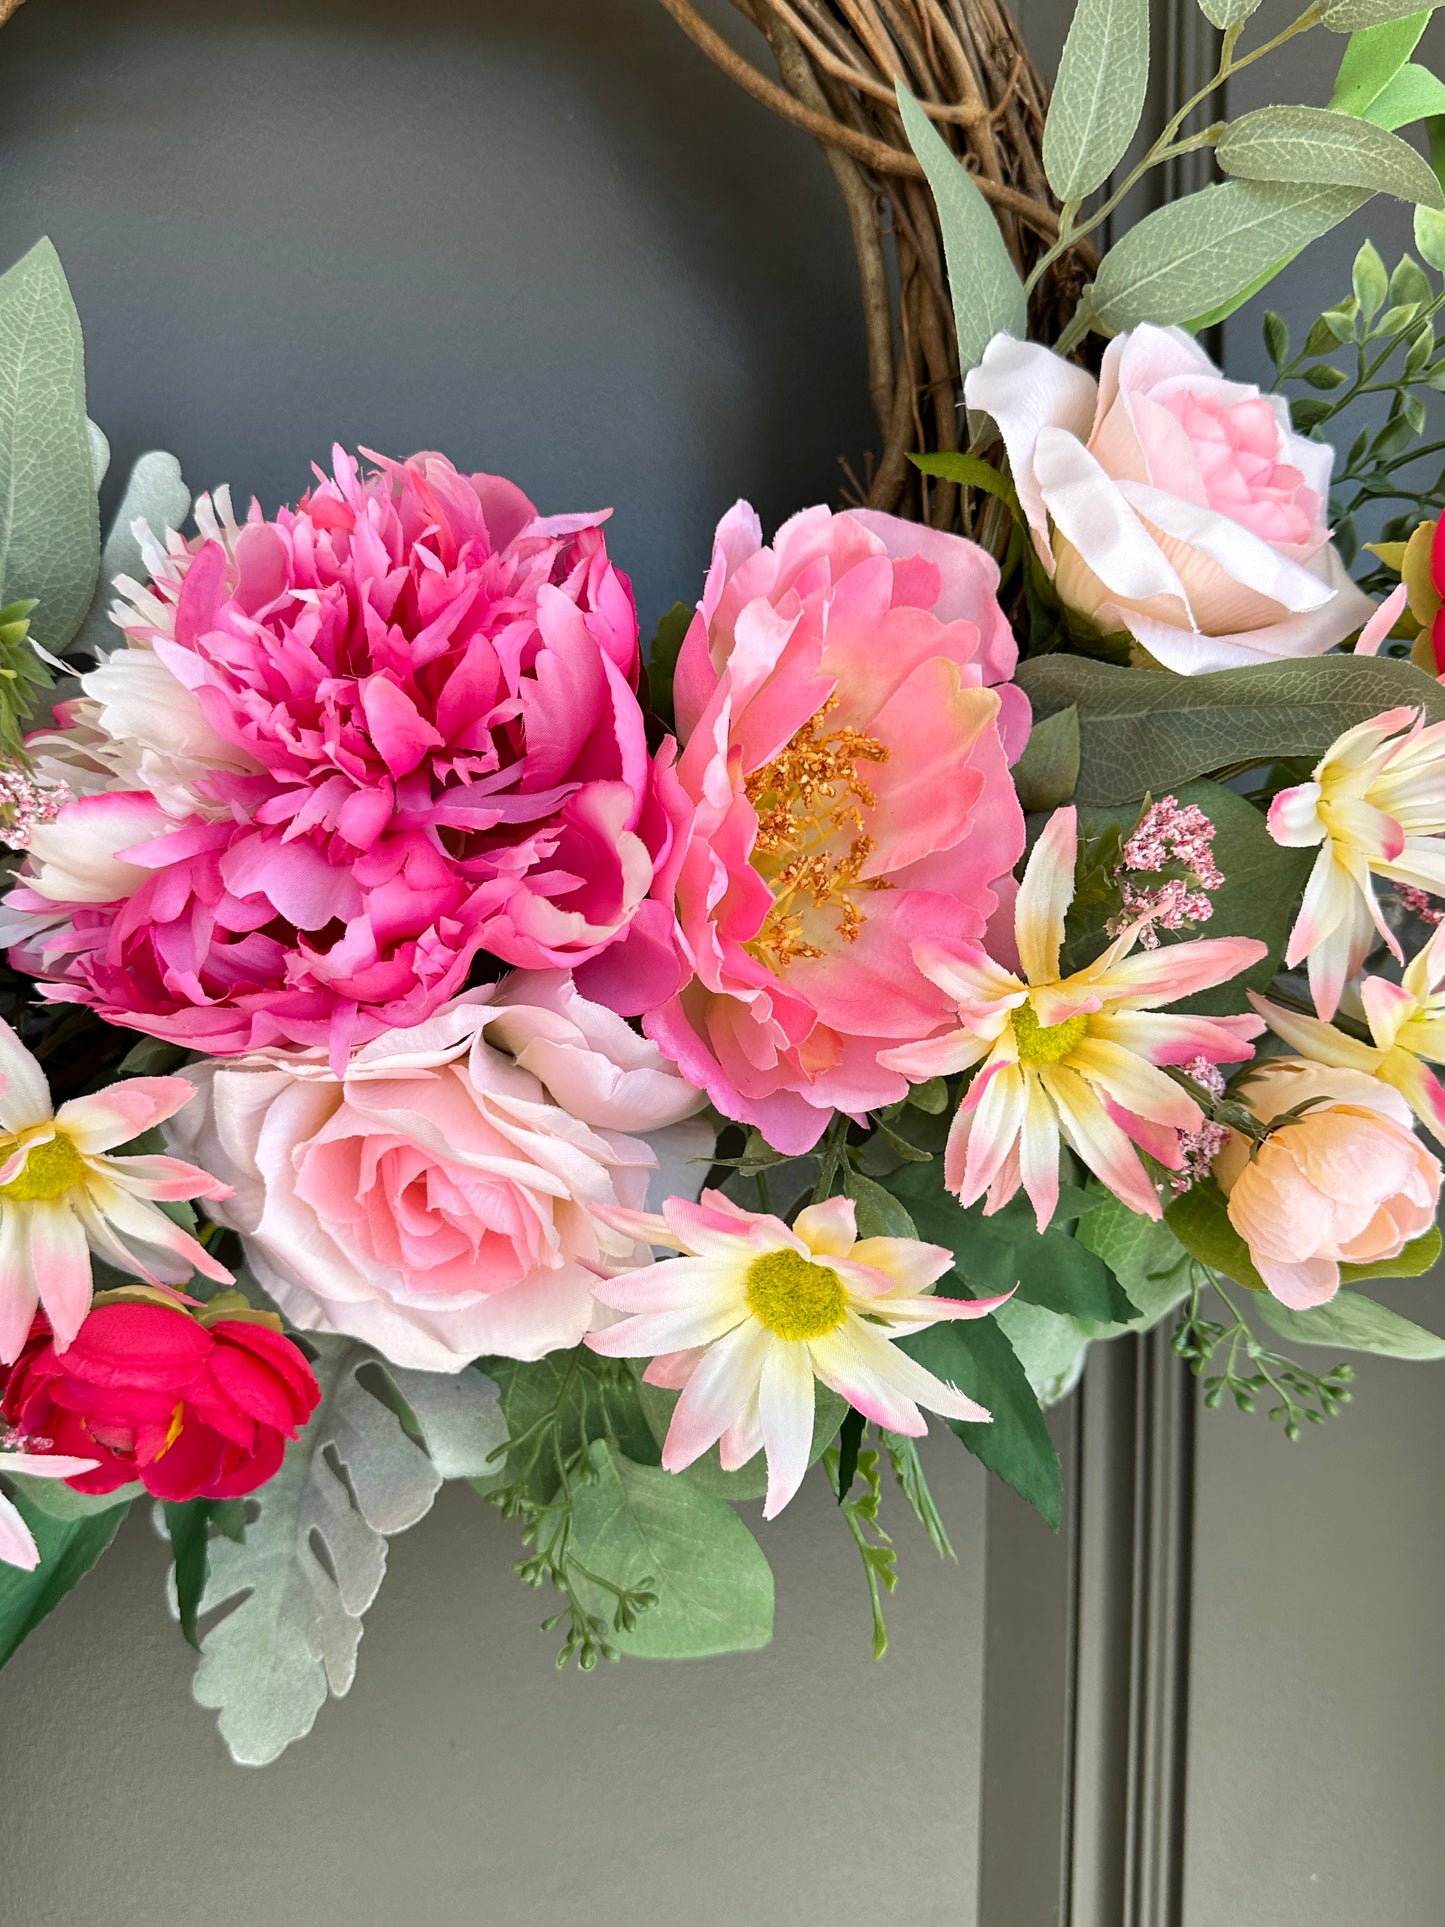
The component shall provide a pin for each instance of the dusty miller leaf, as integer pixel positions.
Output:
(352, 1478)
(49, 522)
(155, 492)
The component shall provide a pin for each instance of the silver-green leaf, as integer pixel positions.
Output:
(1099, 95)
(1185, 258)
(1228, 13)
(1046, 773)
(352, 1478)
(1352, 1322)
(1349, 16)
(49, 522)
(156, 495)
(1315, 145)
(988, 297)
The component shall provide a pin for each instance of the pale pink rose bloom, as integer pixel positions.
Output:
(440, 1201)
(1170, 502)
(1347, 1183)
(17, 1542)
(847, 723)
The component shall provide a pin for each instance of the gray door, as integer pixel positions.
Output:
(546, 236)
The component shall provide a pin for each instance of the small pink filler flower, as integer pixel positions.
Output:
(17, 1541)
(752, 1313)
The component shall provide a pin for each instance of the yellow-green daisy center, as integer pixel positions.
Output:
(51, 1169)
(793, 1298)
(1045, 1043)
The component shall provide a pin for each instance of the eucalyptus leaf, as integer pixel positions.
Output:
(1049, 1345)
(644, 1528)
(1228, 13)
(1350, 16)
(1188, 257)
(1353, 1323)
(988, 296)
(1371, 60)
(1143, 1254)
(1317, 145)
(1098, 96)
(292, 1635)
(68, 1549)
(1158, 731)
(1046, 773)
(1414, 94)
(49, 522)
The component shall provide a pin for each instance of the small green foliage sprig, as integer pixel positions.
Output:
(1383, 340)
(546, 1463)
(1230, 1361)
(848, 1461)
(23, 676)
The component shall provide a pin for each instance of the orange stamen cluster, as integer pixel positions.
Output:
(809, 798)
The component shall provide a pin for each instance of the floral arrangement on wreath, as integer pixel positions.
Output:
(436, 1045)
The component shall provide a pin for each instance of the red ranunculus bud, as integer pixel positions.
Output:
(195, 1401)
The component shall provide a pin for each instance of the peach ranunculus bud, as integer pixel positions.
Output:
(1344, 1182)
(1171, 503)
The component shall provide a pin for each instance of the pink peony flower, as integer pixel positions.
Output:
(1347, 1182)
(1170, 502)
(846, 758)
(437, 1200)
(343, 752)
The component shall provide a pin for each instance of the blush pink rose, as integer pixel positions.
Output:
(1170, 502)
(342, 752)
(848, 725)
(1346, 1183)
(439, 1200)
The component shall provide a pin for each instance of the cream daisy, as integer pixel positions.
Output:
(752, 1313)
(1072, 1059)
(62, 1196)
(17, 1542)
(1407, 1026)
(1375, 806)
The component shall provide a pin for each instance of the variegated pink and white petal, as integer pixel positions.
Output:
(901, 1265)
(1088, 1130)
(966, 973)
(1044, 897)
(1037, 1155)
(24, 1093)
(723, 1385)
(1317, 1040)
(884, 1383)
(121, 1112)
(1178, 970)
(1165, 1037)
(829, 1228)
(785, 1408)
(17, 1543)
(997, 1118)
(676, 1328)
(1388, 1007)
(158, 1176)
(1421, 1089)
(672, 1284)
(59, 1262)
(1134, 1084)
(945, 1056)
(1294, 818)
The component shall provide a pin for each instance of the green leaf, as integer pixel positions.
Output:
(1371, 60)
(189, 1526)
(1189, 256)
(1422, 1254)
(1317, 145)
(642, 1528)
(1224, 309)
(969, 471)
(662, 656)
(1200, 1221)
(1098, 96)
(1155, 731)
(750, 1481)
(1430, 237)
(850, 1437)
(1259, 896)
(68, 1549)
(1371, 283)
(1143, 1254)
(977, 1358)
(1276, 337)
(1354, 1323)
(57, 1500)
(1350, 16)
(1047, 771)
(595, 1398)
(49, 522)
(1228, 13)
(988, 297)
(1414, 94)
(878, 1210)
(996, 1253)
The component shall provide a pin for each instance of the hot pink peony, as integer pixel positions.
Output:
(439, 1200)
(343, 752)
(846, 756)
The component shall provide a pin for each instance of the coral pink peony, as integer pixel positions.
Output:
(846, 754)
(1346, 1182)
(341, 753)
(1170, 502)
(437, 1201)
(197, 1402)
